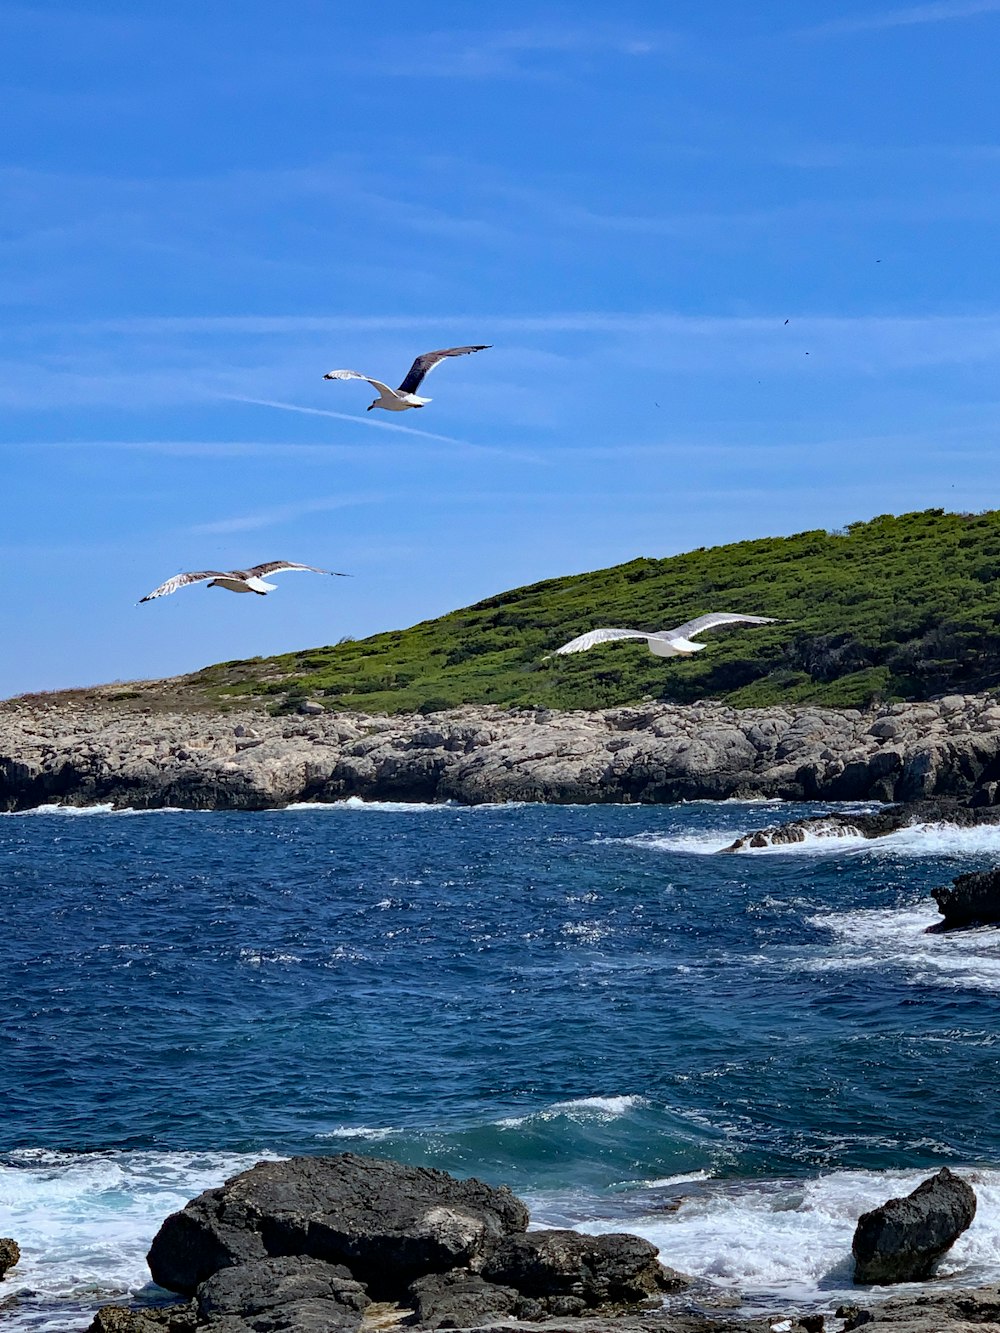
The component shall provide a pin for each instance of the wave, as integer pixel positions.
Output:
(84, 1221)
(100, 808)
(791, 1240)
(918, 840)
(602, 1109)
(896, 937)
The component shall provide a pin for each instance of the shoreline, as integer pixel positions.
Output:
(95, 753)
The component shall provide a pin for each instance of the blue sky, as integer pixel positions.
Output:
(205, 207)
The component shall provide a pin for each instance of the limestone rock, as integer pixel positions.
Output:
(901, 1240)
(462, 1299)
(563, 1269)
(248, 760)
(387, 1222)
(286, 1290)
(971, 900)
(10, 1254)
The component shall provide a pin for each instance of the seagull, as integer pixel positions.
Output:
(236, 580)
(667, 642)
(398, 400)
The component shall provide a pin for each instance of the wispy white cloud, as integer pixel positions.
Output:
(510, 52)
(273, 517)
(938, 11)
(382, 425)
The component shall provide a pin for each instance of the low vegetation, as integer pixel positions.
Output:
(898, 608)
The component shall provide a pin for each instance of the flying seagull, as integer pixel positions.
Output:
(667, 642)
(236, 580)
(398, 400)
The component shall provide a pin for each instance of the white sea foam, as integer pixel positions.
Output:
(875, 938)
(84, 1221)
(580, 1109)
(792, 1240)
(366, 1132)
(378, 807)
(918, 840)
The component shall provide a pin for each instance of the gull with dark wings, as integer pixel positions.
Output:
(237, 580)
(398, 400)
(675, 642)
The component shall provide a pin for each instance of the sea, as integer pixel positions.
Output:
(731, 1055)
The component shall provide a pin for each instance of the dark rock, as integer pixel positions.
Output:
(901, 1240)
(977, 1311)
(971, 900)
(10, 1253)
(284, 1292)
(155, 1319)
(387, 1222)
(613, 1269)
(875, 825)
(462, 1299)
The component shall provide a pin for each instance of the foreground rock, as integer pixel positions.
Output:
(387, 1223)
(902, 1240)
(567, 1272)
(975, 1311)
(10, 1254)
(970, 900)
(91, 752)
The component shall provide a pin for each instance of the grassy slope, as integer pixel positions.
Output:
(899, 607)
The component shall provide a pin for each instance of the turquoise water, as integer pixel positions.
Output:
(586, 1003)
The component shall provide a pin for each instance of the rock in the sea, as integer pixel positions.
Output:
(388, 1223)
(288, 1291)
(10, 1253)
(569, 1273)
(462, 1299)
(901, 1240)
(162, 1319)
(970, 900)
(974, 1311)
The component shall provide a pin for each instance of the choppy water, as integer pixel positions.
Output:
(731, 1055)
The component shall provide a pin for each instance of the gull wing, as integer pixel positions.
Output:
(283, 566)
(181, 581)
(356, 375)
(428, 360)
(714, 619)
(585, 641)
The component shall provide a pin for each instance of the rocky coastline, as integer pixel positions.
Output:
(94, 751)
(354, 1244)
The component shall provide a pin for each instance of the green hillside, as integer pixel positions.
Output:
(904, 608)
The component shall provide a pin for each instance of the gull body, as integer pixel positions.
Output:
(236, 580)
(406, 396)
(675, 642)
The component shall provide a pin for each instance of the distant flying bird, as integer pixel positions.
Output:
(668, 642)
(236, 580)
(398, 400)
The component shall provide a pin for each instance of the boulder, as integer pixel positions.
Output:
(462, 1299)
(158, 1319)
(901, 1240)
(388, 1223)
(945, 1312)
(568, 1272)
(970, 900)
(10, 1253)
(284, 1290)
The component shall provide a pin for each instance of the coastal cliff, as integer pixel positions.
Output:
(83, 753)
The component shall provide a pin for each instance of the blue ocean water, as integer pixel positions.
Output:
(732, 1055)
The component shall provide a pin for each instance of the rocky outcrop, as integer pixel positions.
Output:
(975, 1311)
(875, 825)
(81, 755)
(387, 1223)
(288, 1291)
(970, 900)
(569, 1273)
(10, 1254)
(901, 1240)
(463, 1299)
